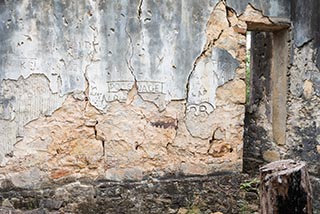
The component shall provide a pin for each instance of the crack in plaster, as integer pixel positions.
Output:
(129, 57)
(33, 108)
(203, 65)
(99, 138)
(139, 11)
(261, 12)
(306, 43)
(208, 47)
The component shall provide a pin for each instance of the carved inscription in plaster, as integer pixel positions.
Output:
(202, 107)
(156, 50)
(143, 86)
(117, 90)
(25, 65)
(51, 39)
(107, 42)
(210, 73)
(150, 87)
(116, 86)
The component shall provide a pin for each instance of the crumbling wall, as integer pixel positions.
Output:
(302, 98)
(136, 90)
(120, 91)
(303, 101)
(126, 89)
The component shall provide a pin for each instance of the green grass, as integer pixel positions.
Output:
(250, 185)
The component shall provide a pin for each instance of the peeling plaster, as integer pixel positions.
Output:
(44, 44)
(156, 50)
(165, 76)
(88, 46)
(210, 73)
(132, 63)
(23, 101)
(306, 25)
(271, 8)
(303, 69)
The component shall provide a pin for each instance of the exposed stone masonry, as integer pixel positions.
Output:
(111, 91)
(173, 194)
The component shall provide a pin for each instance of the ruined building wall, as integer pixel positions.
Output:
(129, 90)
(303, 120)
(120, 89)
(302, 96)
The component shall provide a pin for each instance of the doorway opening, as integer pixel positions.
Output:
(266, 92)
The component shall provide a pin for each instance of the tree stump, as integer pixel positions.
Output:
(285, 188)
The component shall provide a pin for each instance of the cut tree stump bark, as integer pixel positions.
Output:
(285, 188)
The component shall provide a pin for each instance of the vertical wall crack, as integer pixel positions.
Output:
(203, 54)
(97, 137)
(139, 12)
(207, 47)
(129, 55)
